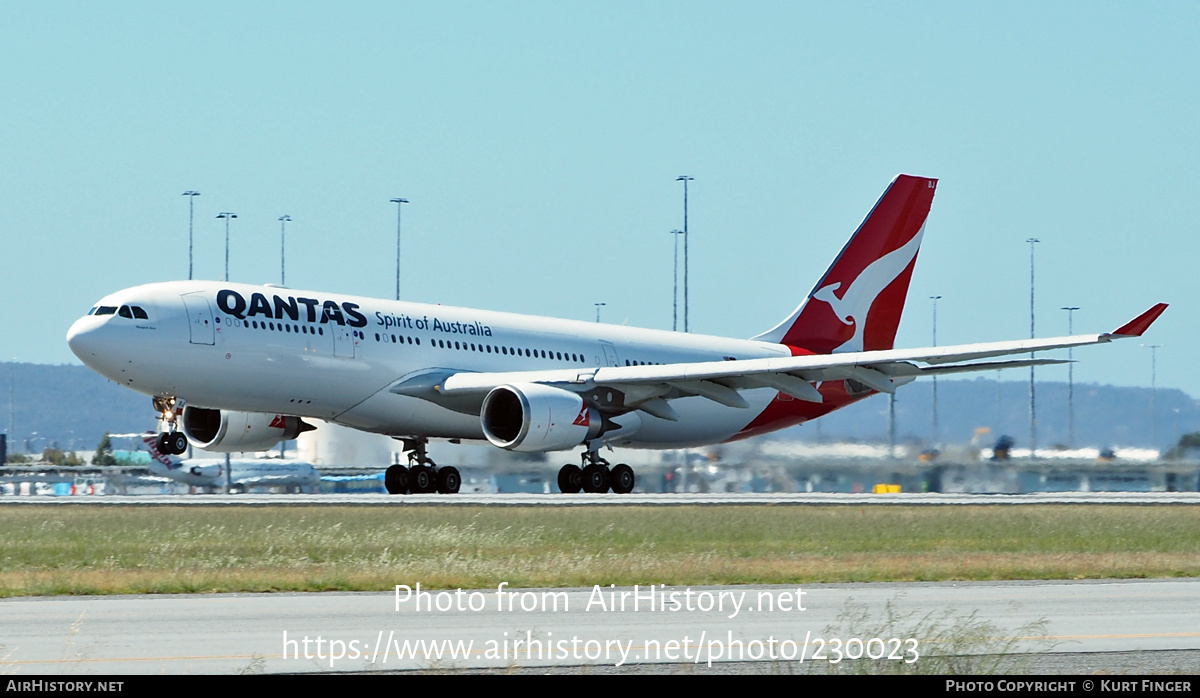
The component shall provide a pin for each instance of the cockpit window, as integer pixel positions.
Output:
(125, 312)
(138, 312)
(106, 310)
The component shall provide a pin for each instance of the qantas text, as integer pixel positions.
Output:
(233, 303)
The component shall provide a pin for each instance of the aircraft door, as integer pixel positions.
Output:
(345, 341)
(200, 319)
(610, 354)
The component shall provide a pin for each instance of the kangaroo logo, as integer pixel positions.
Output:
(855, 303)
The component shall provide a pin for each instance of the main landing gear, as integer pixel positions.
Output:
(170, 441)
(422, 476)
(595, 476)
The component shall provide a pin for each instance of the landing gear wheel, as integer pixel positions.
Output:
(622, 479)
(595, 478)
(160, 443)
(421, 479)
(177, 443)
(448, 480)
(395, 479)
(570, 479)
(424, 476)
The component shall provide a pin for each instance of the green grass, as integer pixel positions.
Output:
(67, 550)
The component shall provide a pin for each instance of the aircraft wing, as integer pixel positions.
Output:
(272, 480)
(720, 381)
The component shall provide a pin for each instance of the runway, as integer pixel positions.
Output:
(707, 629)
(574, 500)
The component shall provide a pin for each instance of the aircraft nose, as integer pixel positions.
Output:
(82, 338)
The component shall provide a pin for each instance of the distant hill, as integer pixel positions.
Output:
(1105, 415)
(72, 406)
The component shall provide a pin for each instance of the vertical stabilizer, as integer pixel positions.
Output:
(856, 305)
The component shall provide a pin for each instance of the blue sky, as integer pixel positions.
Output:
(538, 143)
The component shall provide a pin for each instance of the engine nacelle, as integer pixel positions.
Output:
(208, 470)
(227, 432)
(533, 417)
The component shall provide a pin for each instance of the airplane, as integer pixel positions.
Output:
(234, 367)
(294, 475)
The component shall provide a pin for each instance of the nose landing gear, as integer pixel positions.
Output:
(422, 476)
(170, 440)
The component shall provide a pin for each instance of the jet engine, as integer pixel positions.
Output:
(226, 432)
(206, 470)
(533, 417)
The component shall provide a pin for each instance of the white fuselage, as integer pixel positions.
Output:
(210, 472)
(333, 357)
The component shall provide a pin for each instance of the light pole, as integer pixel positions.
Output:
(399, 202)
(1153, 391)
(12, 403)
(282, 222)
(227, 216)
(1070, 378)
(1032, 401)
(191, 195)
(675, 283)
(935, 402)
(598, 306)
(685, 179)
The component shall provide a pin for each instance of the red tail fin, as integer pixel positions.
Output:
(856, 305)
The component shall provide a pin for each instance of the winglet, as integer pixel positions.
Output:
(1138, 325)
